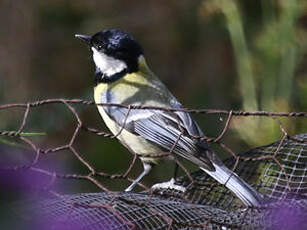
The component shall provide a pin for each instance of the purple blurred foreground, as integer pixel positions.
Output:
(101, 211)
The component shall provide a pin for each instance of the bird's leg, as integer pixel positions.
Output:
(176, 171)
(147, 168)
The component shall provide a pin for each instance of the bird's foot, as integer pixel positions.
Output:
(168, 185)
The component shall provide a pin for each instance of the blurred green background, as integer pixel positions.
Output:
(215, 54)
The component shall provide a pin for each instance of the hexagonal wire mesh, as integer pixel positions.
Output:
(278, 171)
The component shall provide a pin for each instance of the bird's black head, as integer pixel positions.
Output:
(115, 53)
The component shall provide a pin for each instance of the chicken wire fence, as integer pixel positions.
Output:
(278, 171)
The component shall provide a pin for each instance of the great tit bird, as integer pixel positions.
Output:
(122, 76)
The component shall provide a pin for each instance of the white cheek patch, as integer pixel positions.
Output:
(108, 65)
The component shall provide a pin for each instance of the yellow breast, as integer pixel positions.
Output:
(137, 144)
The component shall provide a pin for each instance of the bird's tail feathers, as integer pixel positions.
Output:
(248, 195)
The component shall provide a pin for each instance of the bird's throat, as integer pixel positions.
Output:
(103, 78)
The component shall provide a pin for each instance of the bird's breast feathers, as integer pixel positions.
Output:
(133, 89)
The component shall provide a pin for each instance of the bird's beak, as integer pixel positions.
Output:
(84, 37)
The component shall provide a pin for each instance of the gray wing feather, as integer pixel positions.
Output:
(164, 128)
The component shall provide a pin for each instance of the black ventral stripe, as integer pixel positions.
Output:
(103, 78)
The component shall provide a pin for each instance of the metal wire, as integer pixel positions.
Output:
(278, 171)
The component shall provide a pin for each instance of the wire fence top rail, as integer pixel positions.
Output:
(204, 111)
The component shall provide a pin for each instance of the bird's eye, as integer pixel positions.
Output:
(99, 47)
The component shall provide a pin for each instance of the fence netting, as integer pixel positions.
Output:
(278, 171)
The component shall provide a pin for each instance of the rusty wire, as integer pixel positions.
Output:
(92, 172)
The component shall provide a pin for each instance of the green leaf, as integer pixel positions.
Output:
(32, 134)
(11, 143)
